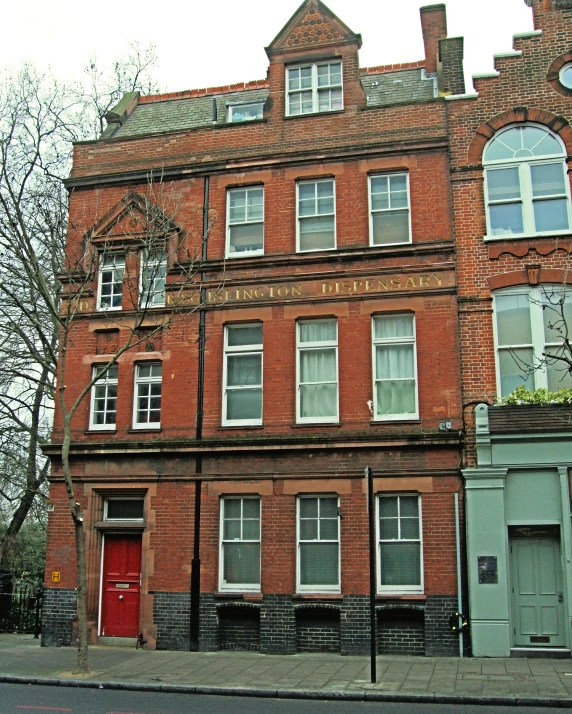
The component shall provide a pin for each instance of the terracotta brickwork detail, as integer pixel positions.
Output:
(314, 29)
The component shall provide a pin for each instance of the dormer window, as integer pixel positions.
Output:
(313, 88)
(245, 112)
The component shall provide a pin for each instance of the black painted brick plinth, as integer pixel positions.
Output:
(277, 625)
(239, 627)
(58, 613)
(439, 638)
(354, 625)
(317, 629)
(400, 631)
(172, 616)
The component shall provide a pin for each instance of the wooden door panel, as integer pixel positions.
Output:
(536, 582)
(121, 586)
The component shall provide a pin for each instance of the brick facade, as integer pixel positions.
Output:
(402, 132)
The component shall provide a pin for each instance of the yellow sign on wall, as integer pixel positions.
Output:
(56, 577)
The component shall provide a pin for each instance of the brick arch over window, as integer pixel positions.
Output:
(542, 276)
(518, 115)
(553, 74)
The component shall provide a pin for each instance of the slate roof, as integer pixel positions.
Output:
(181, 114)
(383, 89)
(410, 85)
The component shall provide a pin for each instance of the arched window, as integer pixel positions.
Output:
(526, 185)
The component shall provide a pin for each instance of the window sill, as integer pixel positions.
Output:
(389, 245)
(100, 431)
(316, 596)
(314, 114)
(314, 424)
(120, 525)
(245, 254)
(257, 595)
(226, 427)
(400, 596)
(144, 429)
(526, 236)
(385, 422)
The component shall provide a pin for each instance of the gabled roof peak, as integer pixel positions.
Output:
(313, 25)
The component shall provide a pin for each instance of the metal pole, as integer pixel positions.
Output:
(459, 593)
(195, 594)
(372, 622)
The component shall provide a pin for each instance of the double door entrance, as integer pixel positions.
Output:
(121, 586)
(537, 601)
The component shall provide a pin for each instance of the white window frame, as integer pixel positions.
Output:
(238, 587)
(527, 201)
(394, 341)
(535, 295)
(113, 262)
(142, 381)
(245, 253)
(300, 588)
(399, 589)
(105, 381)
(388, 210)
(315, 89)
(564, 71)
(241, 349)
(308, 347)
(154, 259)
(299, 218)
(123, 498)
(231, 108)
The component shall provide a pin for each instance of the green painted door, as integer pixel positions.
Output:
(537, 592)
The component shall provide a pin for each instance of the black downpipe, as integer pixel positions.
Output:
(196, 562)
(372, 617)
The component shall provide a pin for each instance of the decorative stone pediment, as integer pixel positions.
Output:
(134, 218)
(312, 26)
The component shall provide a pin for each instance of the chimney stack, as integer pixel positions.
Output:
(434, 28)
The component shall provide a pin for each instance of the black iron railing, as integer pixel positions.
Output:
(20, 605)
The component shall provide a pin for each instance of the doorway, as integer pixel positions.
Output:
(121, 585)
(536, 579)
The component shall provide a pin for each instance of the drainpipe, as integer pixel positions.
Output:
(459, 593)
(196, 562)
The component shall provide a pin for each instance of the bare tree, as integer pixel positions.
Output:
(39, 119)
(158, 243)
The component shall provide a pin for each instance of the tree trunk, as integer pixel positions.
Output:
(77, 516)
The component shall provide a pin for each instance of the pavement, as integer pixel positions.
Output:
(518, 681)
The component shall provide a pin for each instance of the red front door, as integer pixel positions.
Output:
(121, 585)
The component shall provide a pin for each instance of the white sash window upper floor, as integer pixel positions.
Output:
(110, 281)
(527, 190)
(314, 88)
(531, 328)
(245, 222)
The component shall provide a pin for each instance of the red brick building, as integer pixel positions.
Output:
(510, 146)
(233, 466)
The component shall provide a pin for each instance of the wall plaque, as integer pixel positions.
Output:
(488, 570)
